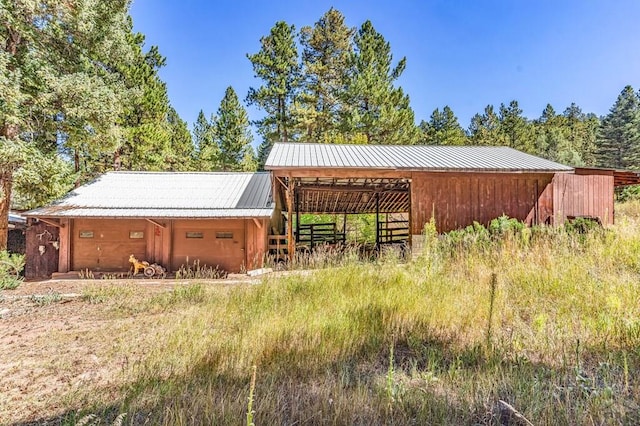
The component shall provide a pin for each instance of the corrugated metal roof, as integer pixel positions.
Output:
(17, 219)
(158, 194)
(408, 157)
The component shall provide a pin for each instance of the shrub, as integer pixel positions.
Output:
(11, 266)
(505, 225)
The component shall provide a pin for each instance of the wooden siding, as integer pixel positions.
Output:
(41, 251)
(457, 200)
(256, 242)
(583, 195)
(226, 253)
(110, 247)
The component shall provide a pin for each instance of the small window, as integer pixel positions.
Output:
(86, 234)
(195, 235)
(136, 235)
(224, 235)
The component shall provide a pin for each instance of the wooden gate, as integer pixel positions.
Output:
(43, 247)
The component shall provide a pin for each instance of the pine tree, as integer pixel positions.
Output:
(442, 128)
(375, 108)
(146, 142)
(181, 155)
(208, 151)
(60, 83)
(556, 139)
(231, 131)
(618, 140)
(514, 130)
(249, 162)
(483, 129)
(276, 64)
(327, 48)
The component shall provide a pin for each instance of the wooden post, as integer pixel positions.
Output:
(410, 219)
(290, 242)
(344, 228)
(297, 209)
(65, 246)
(377, 220)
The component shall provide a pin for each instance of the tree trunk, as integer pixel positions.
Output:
(283, 119)
(6, 179)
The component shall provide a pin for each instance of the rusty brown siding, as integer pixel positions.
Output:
(213, 243)
(583, 195)
(42, 249)
(458, 199)
(106, 244)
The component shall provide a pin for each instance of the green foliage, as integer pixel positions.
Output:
(11, 266)
(276, 64)
(375, 107)
(442, 129)
(42, 179)
(582, 225)
(483, 129)
(504, 224)
(147, 139)
(618, 142)
(548, 326)
(327, 49)
(182, 154)
(628, 193)
(232, 134)
(77, 88)
(46, 299)
(208, 151)
(514, 130)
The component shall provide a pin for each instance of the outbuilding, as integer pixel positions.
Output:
(456, 185)
(232, 220)
(173, 219)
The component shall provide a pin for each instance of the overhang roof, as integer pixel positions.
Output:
(620, 177)
(288, 155)
(167, 195)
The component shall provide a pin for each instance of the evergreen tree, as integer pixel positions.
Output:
(514, 130)
(181, 155)
(146, 142)
(442, 128)
(276, 64)
(618, 139)
(60, 83)
(231, 131)
(375, 108)
(208, 151)
(249, 162)
(327, 48)
(483, 129)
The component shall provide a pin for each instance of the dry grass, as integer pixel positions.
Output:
(429, 342)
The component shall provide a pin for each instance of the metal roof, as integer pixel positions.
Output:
(17, 219)
(408, 157)
(167, 194)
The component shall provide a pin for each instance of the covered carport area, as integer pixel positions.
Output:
(406, 186)
(339, 193)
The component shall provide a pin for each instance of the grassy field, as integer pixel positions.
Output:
(545, 320)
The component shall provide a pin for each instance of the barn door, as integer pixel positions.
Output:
(43, 247)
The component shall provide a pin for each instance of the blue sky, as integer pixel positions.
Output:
(465, 54)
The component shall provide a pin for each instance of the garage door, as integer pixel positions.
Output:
(106, 244)
(212, 242)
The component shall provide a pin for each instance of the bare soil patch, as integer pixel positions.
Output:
(62, 345)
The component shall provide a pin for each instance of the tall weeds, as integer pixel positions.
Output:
(546, 320)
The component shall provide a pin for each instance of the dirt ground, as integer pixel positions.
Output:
(57, 343)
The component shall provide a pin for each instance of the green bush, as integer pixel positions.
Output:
(11, 265)
(505, 225)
